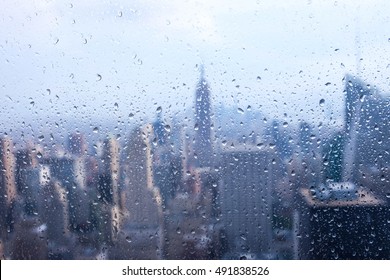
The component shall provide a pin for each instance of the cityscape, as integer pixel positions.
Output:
(216, 182)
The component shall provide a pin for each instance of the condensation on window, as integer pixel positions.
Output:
(194, 130)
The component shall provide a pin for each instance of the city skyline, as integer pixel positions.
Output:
(174, 191)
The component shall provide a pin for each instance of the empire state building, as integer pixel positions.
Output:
(202, 145)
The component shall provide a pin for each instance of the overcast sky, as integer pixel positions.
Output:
(107, 59)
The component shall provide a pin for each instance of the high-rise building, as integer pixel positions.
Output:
(366, 156)
(69, 171)
(165, 164)
(246, 185)
(110, 172)
(141, 233)
(54, 213)
(356, 93)
(359, 153)
(8, 190)
(203, 141)
(108, 212)
(76, 144)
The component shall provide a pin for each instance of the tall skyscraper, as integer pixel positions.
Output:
(109, 175)
(141, 233)
(108, 191)
(202, 126)
(356, 93)
(367, 138)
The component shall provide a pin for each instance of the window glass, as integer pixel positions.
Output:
(194, 130)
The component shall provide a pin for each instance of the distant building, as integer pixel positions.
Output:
(107, 213)
(69, 171)
(166, 166)
(359, 153)
(29, 242)
(54, 213)
(76, 144)
(8, 191)
(110, 172)
(141, 233)
(191, 218)
(367, 157)
(279, 136)
(203, 142)
(245, 187)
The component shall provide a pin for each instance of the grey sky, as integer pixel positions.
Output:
(143, 54)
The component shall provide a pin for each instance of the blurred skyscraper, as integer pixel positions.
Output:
(366, 156)
(246, 186)
(203, 142)
(141, 233)
(8, 192)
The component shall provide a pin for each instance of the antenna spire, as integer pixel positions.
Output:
(201, 69)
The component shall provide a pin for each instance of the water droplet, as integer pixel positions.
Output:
(258, 78)
(167, 128)
(322, 102)
(120, 14)
(39, 155)
(95, 129)
(159, 109)
(241, 111)
(328, 83)
(40, 138)
(128, 239)
(131, 115)
(99, 77)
